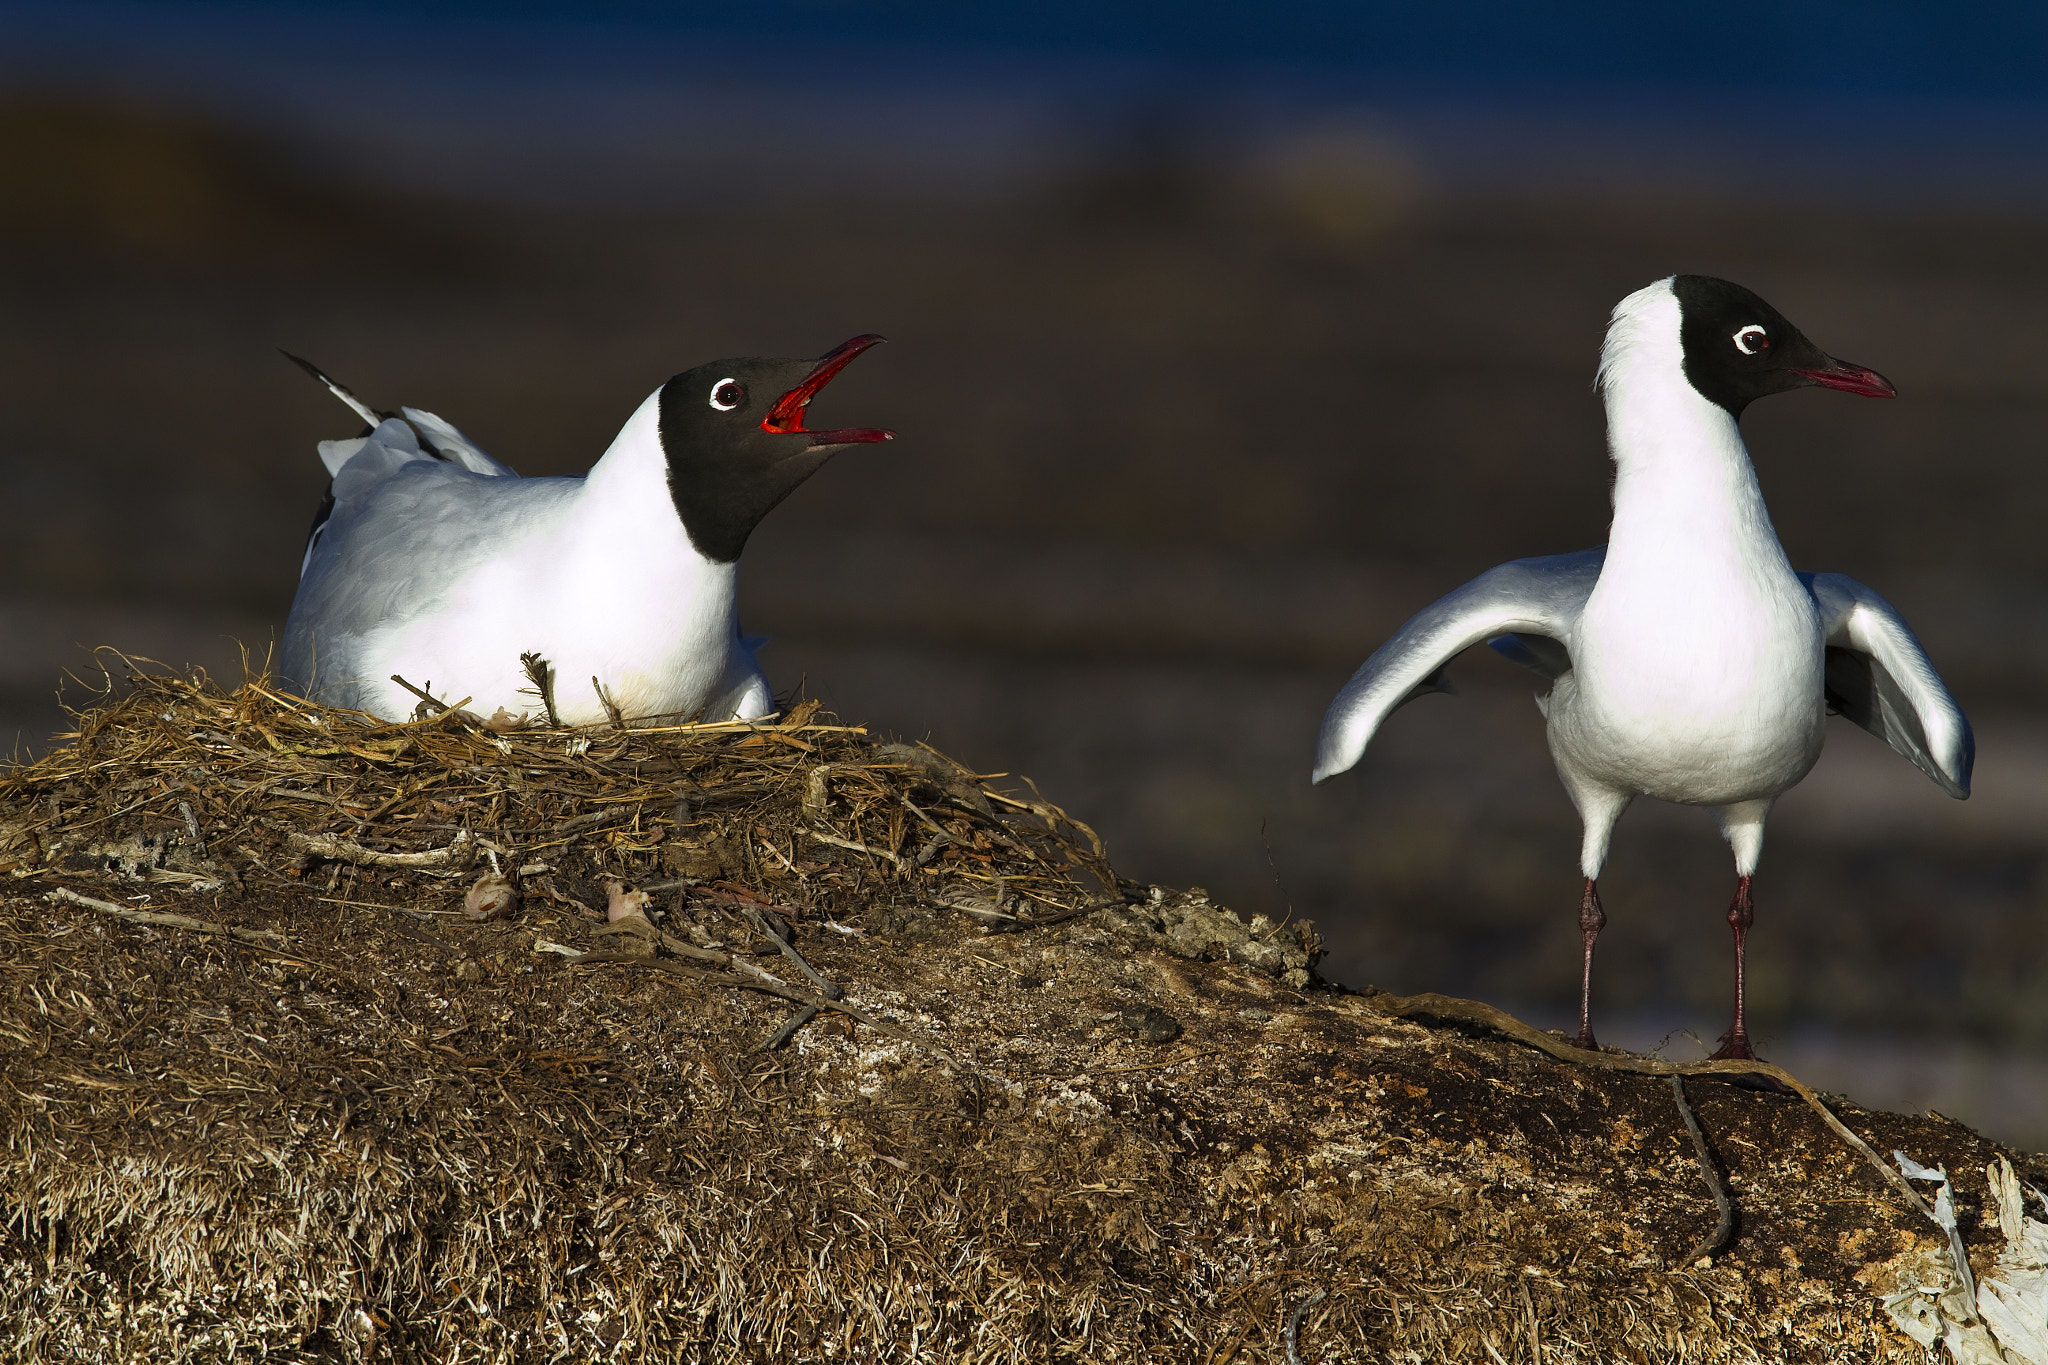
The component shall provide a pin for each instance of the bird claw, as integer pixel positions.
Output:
(1735, 1047)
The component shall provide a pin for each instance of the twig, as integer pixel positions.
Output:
(543, 675)
(941, 837)
(426, 916)
(829, 989)
(1294, 1324)
(192, 824)
(1535, 1336)
(1227, 1352)
(611, 708)
(766, 987)
(256, 861)
(1053, 817)
(988, 912)
(816, 793)
(457, 857)
(789, 1028)
(1022, 924)
(1718, 1238)
(894, 860)
(266, 938)
(45, 826)
(743, 727)
(435, 706)
(643, 927)
(551, 892)
(260, 690)
(1287, 901)
(924, 819)
(1047, 811)
(996, 835)
(1478, 1012)
(591, 820)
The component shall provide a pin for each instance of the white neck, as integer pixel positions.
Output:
(633, 578)
(627, 510)
(635, 458)
(1684, 488)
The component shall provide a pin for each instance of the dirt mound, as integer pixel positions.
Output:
(333, 1039)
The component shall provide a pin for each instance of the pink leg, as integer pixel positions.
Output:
(1592, 919)
(1741, 914)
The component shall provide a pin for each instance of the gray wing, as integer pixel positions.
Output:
(362, 464)
(403, 528)
(1879, 677)
(1533, 603)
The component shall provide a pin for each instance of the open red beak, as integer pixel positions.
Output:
(786, 418)
(1840, 374)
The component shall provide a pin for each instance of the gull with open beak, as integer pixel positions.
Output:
(1685, 658)
(432, 561)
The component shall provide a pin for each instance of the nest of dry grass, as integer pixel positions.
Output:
(326, 1038)
(168, 777)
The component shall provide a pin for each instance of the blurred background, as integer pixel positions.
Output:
(1223, 339)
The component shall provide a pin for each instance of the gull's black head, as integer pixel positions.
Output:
(734, 435)
(1738, 348)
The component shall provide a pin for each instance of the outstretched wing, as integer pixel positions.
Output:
(1537, 602)
(1879, 677)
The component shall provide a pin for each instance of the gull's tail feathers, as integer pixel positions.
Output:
(436, 437)
(337, 388)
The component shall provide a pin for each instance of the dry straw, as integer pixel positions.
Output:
(779, 1043)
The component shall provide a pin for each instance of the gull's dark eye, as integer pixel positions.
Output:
(728, 394)
(1752, 340)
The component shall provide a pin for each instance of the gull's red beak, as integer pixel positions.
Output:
(786, 418)
(1840, 374)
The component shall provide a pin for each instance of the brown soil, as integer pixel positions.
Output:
(272, 1096)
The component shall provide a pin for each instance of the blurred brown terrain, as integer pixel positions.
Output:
(1182, 440)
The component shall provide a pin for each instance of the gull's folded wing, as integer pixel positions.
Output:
(1531, 599)
(453, 446)
(1879, 677)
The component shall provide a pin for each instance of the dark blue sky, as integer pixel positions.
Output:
(1947, 103)
(1878, 47)
(1873, 47)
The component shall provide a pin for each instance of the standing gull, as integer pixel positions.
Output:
(1687, 661)
(432, 560)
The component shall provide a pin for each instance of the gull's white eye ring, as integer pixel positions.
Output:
(728, 394)
(1752, 340)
